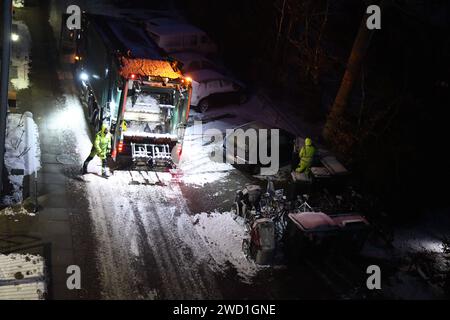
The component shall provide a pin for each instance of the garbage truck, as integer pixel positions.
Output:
(129, 84)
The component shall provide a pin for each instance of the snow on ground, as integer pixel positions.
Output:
(419, 255)
(136, 217)
(15, 210)
(197, 163)
(22, 277)
(22, 151)
(223, 236)
(157, 222)
(20, 56)
(18, 3)
(426, 234)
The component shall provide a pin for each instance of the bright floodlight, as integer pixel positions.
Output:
(14, 37)
(84, 76)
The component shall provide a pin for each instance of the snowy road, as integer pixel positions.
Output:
(140, 231)
(147, 242)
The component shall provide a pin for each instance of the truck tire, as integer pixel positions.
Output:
(90, 105)
(96, 121)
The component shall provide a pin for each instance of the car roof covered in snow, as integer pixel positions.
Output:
(350, 220)
(186, 57)
(205, 75)
(126, 37)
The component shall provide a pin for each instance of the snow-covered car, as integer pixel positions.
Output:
(211, 88)
(175, 36)
(244, 147)
(192, 61)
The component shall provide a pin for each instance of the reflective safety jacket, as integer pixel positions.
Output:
(306, 158)
(102, 145)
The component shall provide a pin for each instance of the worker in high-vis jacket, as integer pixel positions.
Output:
(306, 155)
(100, 148)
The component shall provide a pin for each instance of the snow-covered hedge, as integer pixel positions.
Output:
(22, 151)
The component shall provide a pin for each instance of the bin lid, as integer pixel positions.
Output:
(320, 172)
(333, 165)
(349, 221)
(312, 221)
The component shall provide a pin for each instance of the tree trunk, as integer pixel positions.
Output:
(351, 74)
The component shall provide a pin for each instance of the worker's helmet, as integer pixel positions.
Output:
(308, 142)
(105, 128)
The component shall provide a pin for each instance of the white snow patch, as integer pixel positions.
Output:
(22, 277)
(22, 150)
(18, 3)
(197, 161)
(223, 236)
(15, 210)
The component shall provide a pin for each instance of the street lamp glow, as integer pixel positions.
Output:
(84, 76)
(14, 37)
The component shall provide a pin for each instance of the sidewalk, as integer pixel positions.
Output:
(50, 231)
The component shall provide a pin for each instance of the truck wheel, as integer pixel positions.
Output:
(246, 248)
(204, 105)
(94, 118)
(91, 107)
(96, 121)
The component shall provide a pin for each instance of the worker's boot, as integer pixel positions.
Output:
(84, 169)
(105, 172)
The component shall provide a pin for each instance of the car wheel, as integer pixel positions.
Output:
(204, 105)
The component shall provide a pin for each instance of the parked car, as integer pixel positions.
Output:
(175, 36)
(211, 88)
(243, 147)
(192, 61)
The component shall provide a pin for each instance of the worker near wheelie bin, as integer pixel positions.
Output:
(306, 155)
(100, 148)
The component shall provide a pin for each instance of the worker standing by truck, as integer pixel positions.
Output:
(100, 148)
(306, 155)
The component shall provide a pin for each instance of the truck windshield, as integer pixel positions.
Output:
(148, 111)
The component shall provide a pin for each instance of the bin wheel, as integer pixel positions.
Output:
(246, 248)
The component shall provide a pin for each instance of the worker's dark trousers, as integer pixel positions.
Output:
(88, 159)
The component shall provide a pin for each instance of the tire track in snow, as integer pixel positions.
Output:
(162, 219)
(116, 281)
(156, 254)
(121, 212)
